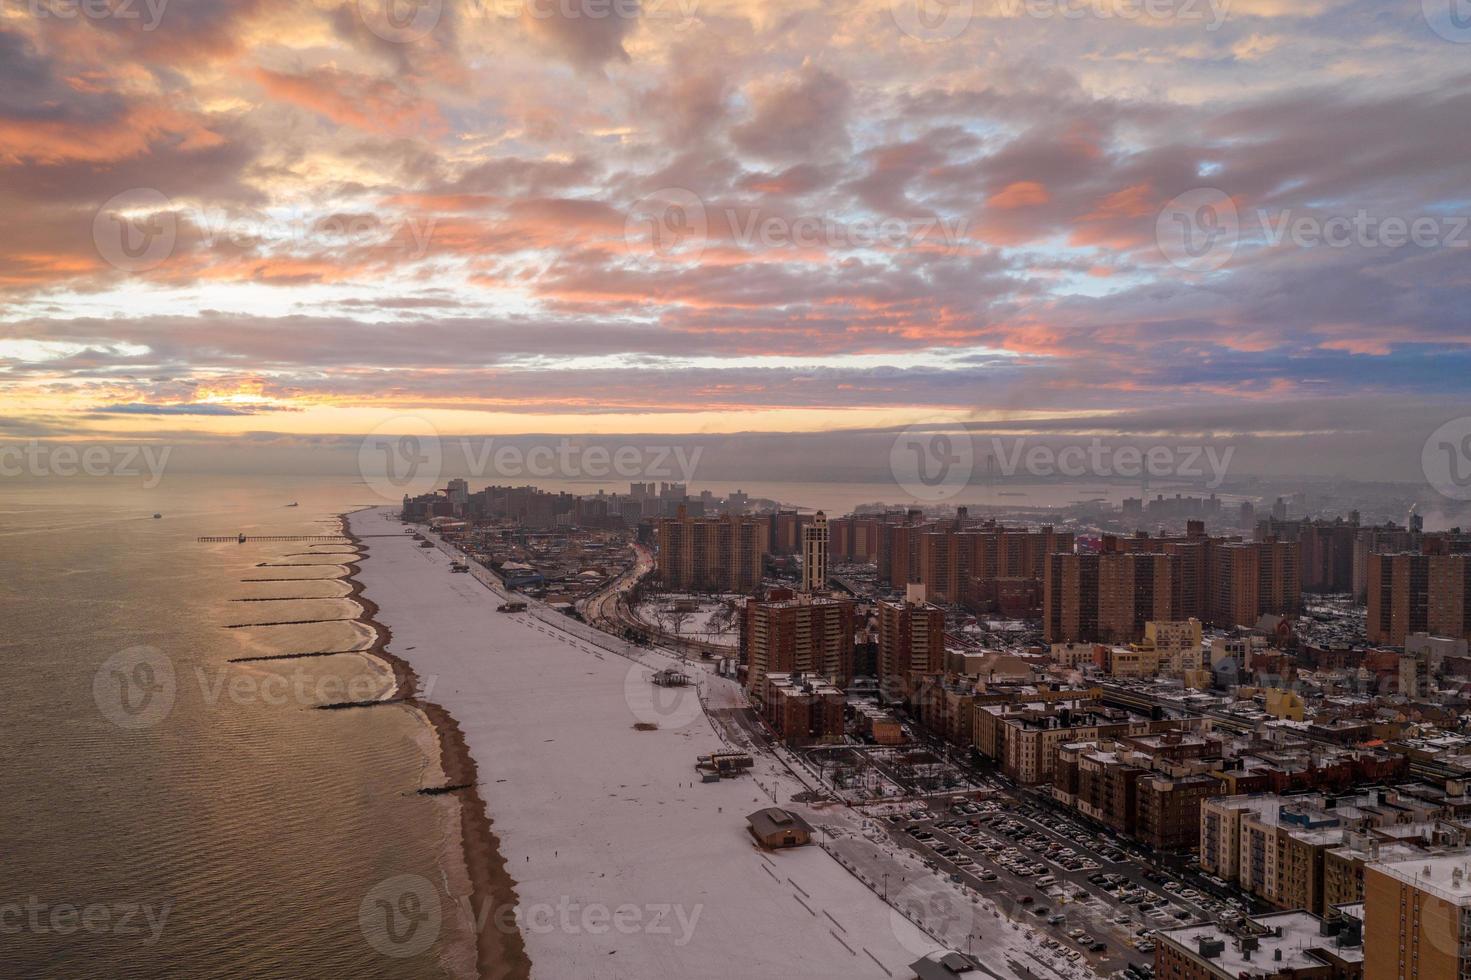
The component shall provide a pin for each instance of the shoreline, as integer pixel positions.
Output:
(632, 866)
(498, 953)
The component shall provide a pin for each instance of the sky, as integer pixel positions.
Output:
(267, 222)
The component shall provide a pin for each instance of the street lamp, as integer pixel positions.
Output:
(886, 886)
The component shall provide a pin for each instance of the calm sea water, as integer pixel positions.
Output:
(223, 827)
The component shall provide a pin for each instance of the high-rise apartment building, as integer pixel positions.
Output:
(1109, 597)
(709, 554)
(814, 554)
(1250, 579)
(1326, 548)
(950, 558)
(807, 635)
(911, 642)
(1415, 593)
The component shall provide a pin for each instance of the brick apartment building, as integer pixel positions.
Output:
(961, 563)
(709, 554)
(808, 635)
(802, 709)
(1149, 787)
(1110, 596)
(911, 636)
(1026, 737)
(1417, 918)
(1418, 593)
(1278, 847)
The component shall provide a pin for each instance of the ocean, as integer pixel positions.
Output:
(165, 811)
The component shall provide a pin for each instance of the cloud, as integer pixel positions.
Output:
(800, 117)
(137, 408)
(377, 104)
(884, 228)
(586, 35)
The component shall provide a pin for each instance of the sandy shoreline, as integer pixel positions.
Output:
(625, 863)
(498, 953)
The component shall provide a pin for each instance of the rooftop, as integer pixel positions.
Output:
(1289, 935)
(1446, 876)
(800, 684)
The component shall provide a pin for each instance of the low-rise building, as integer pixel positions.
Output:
(803, 708)
(774, 827)
(877, 724)
(1024, 737)
(1293, 945)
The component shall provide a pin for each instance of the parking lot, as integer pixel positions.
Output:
(1081, 890)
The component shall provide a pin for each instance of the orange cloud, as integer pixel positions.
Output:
(1021, 194)
(374, 104)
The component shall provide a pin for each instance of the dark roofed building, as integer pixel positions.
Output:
(945, 965)
(774, 827)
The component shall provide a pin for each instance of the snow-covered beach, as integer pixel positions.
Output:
(625, 864)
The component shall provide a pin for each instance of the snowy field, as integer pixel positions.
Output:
(626, 865)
